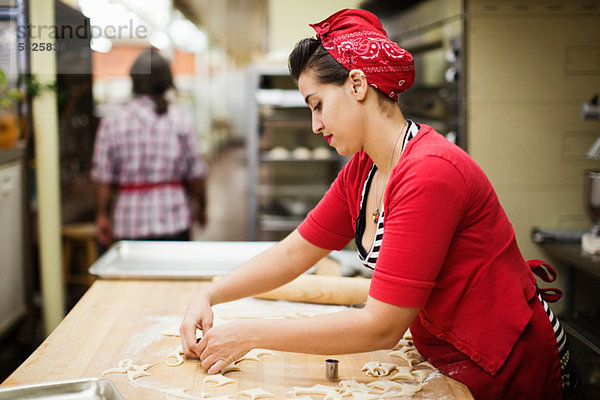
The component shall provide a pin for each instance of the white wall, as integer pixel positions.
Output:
(288, 20)
(529, 70)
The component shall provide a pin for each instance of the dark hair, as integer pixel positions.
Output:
(151, 75)
(310, 54)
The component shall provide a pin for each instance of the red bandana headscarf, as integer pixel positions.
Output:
(356, 39)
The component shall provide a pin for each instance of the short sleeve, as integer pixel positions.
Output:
(329, 224)
(423, 208)
(103, 162)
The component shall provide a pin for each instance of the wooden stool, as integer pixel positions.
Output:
(83, 233)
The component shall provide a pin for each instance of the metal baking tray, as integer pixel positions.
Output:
(80, 389)
(174, 260)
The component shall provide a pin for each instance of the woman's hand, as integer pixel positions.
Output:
(198, 315)
(224, 344)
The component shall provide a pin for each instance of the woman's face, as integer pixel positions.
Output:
(334, 113)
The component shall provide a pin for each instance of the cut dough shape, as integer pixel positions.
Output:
(377, 368)
(218, 380)
(402, 373)
(181, 393)
(403, 343)
(374, 396)
(399, 353)
(426, 364)
(384, 386)
(317, 390)
(255, 354)
(351, 386)
(177, 355)
(300, 398)
(134, 374)
(409, 390)
(230, 368)
(257, 393)
(126, 366)
(409, 354)
(133, 371)
(365, 396)
(121, 368)
(421, 374)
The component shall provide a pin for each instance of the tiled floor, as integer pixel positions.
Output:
(227, 198)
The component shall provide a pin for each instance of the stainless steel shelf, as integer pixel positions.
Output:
(15, 153)
(279, 118)
(292, 190)
(274, 223)
(285, 123)
(267, 158)
(279, 98)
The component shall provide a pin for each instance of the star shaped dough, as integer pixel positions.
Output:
(127, 366)
(257, 393)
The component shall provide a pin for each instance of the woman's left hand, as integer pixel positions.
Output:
(223, 345)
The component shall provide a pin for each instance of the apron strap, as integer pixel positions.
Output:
(547, 274)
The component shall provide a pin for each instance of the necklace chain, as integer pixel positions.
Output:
(378, 197)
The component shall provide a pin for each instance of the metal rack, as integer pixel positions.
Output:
(289, 168)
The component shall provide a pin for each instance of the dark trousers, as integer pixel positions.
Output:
(181, 236)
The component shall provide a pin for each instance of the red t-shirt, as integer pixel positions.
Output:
(448, 248)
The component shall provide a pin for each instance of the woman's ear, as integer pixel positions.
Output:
(358, 85)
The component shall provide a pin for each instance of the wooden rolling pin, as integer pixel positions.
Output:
(322, 289)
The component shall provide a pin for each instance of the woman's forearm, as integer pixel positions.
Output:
(378, 326)
(103, 194)
(270, 269)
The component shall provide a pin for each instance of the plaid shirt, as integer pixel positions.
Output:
(137, 148)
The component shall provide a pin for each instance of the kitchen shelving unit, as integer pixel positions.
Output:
(289, 167)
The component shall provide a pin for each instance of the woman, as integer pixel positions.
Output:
(146, 153)
(424, 216)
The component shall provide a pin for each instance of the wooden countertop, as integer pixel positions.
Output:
(116, 319)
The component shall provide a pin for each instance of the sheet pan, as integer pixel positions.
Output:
(80, 389)
(174, 260)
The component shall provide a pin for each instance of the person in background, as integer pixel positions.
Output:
(147, 160)
(424, 217)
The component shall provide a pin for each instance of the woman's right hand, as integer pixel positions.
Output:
(198, 315)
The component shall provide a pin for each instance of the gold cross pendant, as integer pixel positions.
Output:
(375, 215)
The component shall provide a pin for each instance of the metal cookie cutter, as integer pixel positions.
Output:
(331, 369)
